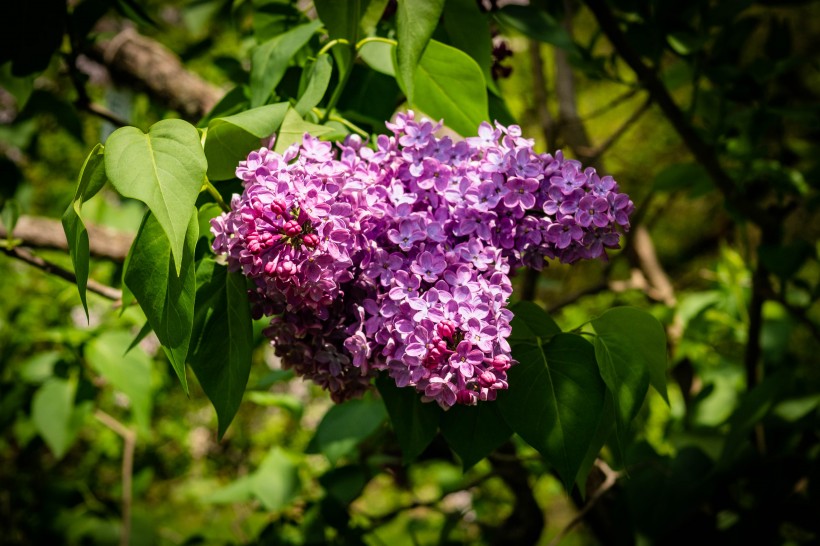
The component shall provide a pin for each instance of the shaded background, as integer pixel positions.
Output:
(706, 113)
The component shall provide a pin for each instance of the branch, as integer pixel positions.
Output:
(614, 103)
(135, 59)
(610, 478)
(37, 232)
(650, 81)
(129, 438)
(53, 269)
(102, 113)
(596, 153)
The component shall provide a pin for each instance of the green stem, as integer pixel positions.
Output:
(337, 93)
(328, 46)
(350, 125)
(364, 41)
(216, 195)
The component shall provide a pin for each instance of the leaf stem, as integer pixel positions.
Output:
(350, 125)
(370, 39)
(330, 45)
(216, 195)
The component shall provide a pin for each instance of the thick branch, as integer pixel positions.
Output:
(39, 232)
(150, 65)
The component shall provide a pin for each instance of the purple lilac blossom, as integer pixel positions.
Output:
(397, 258)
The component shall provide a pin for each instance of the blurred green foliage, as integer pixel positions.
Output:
(732, 459)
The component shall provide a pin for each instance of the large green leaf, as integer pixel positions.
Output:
(55, 416)
(129, 373)
(469, 31)
(222, 341)
(530, 321)
(449, 84)
(294, 128)
(166, 299)
(231, 138)
(317, 85)
(165, 169)
(270, 60)
(638, 339)
(473, 432)
(416, 20)
(414, 422)
(344, 426)
(342, 22)
(91, 180)
(555, 400)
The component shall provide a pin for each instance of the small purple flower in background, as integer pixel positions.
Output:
(396, 258)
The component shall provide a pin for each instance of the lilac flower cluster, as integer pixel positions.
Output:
(397, 257)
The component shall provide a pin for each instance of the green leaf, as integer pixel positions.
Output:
(344, 483)
(449, 84)
(317, 85)
(635, 338)
(222, 339)
(536, 24)
(91, 180)
(276, 482)
(531, 321)
(469, 31)
(683, 176)
(270, 60)
(293, 130)
(129, 373)
(379, 57)
(164, 169)
(231, 138)
(372, 13)
(555, 400)
(473, 432)
(415, 22)
(54, 415)
(344, 427)
(603, 430)
(142, 334)
(342, 22)
(414, 421)
(166, 299)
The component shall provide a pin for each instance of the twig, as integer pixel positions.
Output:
(129, 437)
(614, 103)
(38, 232)
(699, 148)
(596, 153)
(610, 478)
(54, 269)
(102, 113)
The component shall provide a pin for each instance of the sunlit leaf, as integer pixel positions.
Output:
(416, 20)
(449, 85)
(317, 85)
(231, 138)
(91, 180)
(270, 60)
(294, 128)
(165, 169)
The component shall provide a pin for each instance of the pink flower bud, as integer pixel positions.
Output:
(292, 228)
(311, 240)
(468, 398)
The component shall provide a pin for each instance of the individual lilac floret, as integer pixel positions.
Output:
(396, 258)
